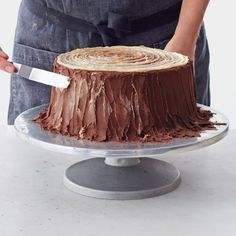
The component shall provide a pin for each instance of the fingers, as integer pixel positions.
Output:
(4, 64)
(7, 66)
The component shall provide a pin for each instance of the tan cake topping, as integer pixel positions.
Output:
(121, 58)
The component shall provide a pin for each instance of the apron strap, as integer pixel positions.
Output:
(113, 28)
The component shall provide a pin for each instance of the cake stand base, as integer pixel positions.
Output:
(148, 178)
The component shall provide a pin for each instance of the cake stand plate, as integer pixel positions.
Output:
(129, 170)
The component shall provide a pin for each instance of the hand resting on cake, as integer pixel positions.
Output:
(5, 65)
(182, 45)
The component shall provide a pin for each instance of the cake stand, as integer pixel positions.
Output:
(114, 170)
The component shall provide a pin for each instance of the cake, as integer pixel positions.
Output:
(125, 93)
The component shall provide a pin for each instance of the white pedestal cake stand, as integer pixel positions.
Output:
(126, 173)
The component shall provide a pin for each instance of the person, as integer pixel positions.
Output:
(47, 28)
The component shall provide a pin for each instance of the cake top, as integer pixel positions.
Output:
(121, 58)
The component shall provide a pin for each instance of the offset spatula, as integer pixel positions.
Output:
(42, 76)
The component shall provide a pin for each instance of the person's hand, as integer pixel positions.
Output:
(183, 45)
(5, 65)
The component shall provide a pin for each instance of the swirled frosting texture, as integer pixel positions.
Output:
(125, 94)
(121, 58)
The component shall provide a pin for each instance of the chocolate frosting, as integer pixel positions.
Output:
(145, 106)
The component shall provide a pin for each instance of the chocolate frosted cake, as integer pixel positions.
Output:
(125, 93)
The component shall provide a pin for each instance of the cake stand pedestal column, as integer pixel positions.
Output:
(122, 162)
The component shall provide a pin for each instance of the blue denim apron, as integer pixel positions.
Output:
(38, 41)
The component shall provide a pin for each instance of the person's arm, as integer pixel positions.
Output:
(5, 65)
(188, 27)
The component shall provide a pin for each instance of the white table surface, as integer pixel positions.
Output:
(34, 201)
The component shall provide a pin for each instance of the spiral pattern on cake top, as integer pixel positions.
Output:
(121, 58)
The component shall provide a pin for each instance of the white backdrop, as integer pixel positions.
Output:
(219, 19)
